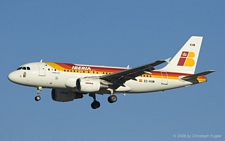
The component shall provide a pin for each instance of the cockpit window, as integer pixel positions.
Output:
(19, 68)
(23, 68)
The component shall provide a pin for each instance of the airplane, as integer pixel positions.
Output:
(72, 81)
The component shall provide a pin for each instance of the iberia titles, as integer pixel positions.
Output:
(81, 68)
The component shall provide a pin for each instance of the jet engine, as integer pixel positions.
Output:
(71, 82)
(63, 95)
(89, 85)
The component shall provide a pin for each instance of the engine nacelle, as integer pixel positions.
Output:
(63, 95)
(88, 85)
(70, 82)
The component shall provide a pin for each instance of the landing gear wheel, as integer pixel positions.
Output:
(112, 98)
(37, 98)
(95, 105)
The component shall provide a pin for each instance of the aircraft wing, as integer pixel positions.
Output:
(119, 78)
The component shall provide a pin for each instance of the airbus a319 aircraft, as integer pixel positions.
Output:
(72, 81)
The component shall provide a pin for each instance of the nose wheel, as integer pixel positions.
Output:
(38, 97)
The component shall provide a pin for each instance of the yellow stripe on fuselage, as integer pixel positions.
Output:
(155, 74)
(55, 66)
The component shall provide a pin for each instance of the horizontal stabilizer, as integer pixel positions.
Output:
(195, 76)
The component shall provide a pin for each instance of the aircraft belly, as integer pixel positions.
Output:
(123, 89)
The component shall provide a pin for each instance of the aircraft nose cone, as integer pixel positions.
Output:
(11, 77)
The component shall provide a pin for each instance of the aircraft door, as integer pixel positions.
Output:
(42, 69)
(164, 78)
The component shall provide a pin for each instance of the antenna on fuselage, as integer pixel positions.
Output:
(41, 60)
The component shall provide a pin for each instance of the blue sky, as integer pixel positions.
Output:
(115, 33)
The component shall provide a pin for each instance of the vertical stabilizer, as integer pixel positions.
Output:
(185, 60)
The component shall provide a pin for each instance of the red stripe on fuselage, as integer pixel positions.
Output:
(114, 70)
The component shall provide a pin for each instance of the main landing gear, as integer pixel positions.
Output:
(38, 97)
(112, 99)
(95, 104)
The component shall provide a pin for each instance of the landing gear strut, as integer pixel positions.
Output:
(38, 97)
(95, 104)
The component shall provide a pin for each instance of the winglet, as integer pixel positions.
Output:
(168, 60)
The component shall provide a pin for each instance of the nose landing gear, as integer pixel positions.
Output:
(38, 97)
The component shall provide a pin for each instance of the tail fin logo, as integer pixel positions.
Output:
(186, 59)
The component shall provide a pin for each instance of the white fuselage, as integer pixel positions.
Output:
(42, 75)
